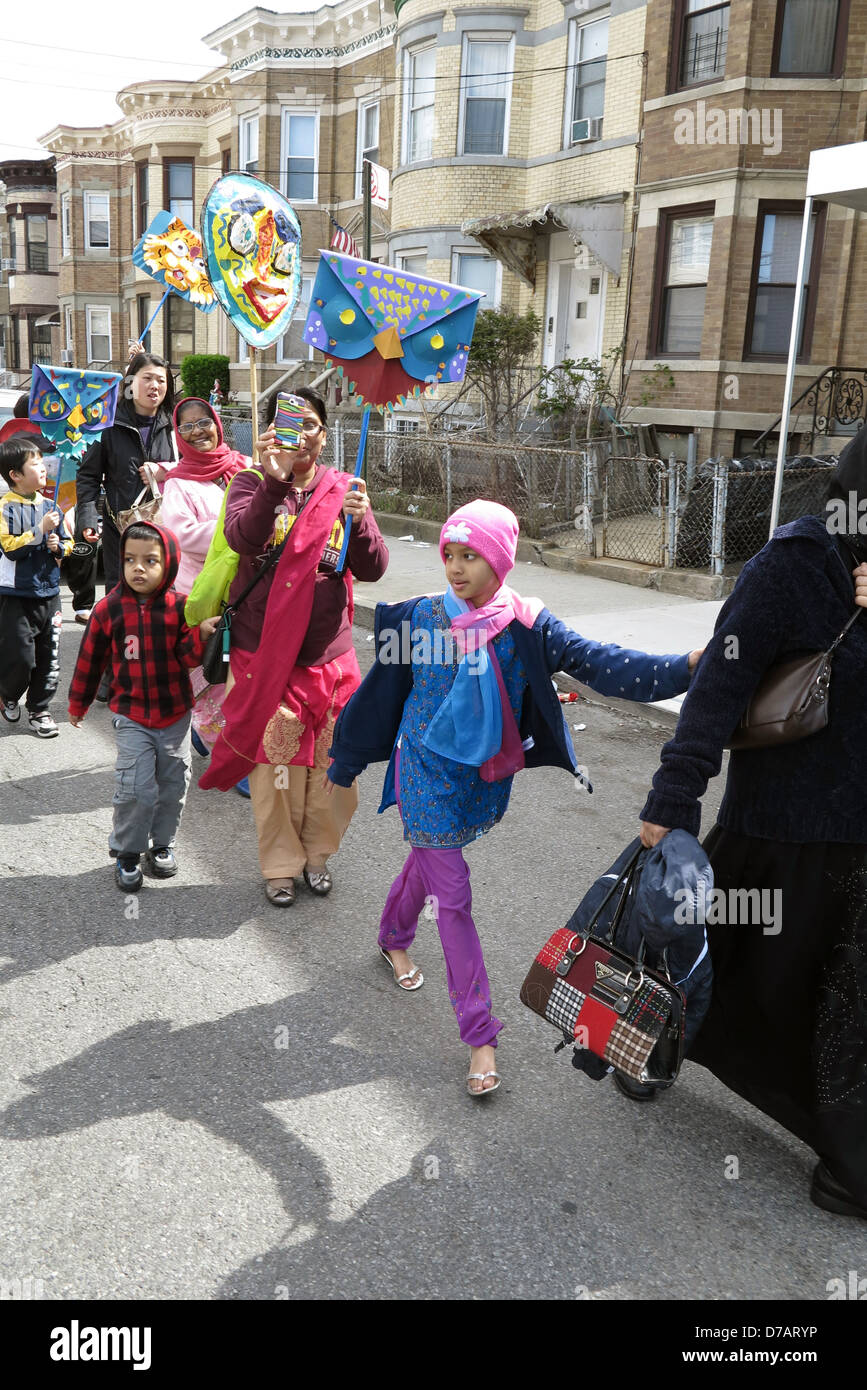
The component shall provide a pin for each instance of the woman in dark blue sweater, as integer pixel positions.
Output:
(787, 1026)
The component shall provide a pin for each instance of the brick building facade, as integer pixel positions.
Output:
(633, 170)
(515, 157)
(733, 109)
(28, 265)
(298, 99)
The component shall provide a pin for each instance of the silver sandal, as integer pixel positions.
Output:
(410, 975)
(483, 1076)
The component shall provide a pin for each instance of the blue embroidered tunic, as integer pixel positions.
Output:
(445, 804)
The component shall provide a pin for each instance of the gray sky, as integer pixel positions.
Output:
(46, 81)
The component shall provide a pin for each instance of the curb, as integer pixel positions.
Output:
(655, 716)
(689, 583)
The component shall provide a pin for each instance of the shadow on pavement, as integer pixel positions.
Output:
(46, 920)
(219, 1075)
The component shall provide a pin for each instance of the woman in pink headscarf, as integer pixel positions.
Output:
(192, 500)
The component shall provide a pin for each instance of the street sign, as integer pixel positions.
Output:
(379, 184)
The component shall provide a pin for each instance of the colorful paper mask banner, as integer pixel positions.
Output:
(393, 334)
(172, 254)
(72, 407)
(252, 242)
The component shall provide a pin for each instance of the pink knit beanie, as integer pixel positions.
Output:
(487, 528)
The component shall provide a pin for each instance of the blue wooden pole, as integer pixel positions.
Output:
(362, 445)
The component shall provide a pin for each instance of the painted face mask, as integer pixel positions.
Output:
(252, 242)
(173, 255)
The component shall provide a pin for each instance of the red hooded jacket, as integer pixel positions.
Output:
(148, 645)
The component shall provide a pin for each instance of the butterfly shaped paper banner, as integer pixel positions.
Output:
(172, 253)
(393, 334)
(252, 242)
(72, 407)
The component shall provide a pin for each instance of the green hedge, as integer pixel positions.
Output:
(200, 370)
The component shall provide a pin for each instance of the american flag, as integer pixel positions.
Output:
(344, 243)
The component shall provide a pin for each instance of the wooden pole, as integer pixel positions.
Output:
(254, 399)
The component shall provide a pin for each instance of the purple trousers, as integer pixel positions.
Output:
(440, 880)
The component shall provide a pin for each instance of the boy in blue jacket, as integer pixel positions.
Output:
(460, 697)
(33, 541)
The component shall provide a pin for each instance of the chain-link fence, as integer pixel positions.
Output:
(432, 475)
(238, 430)
(666, 513)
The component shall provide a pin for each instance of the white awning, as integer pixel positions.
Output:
(511, 236)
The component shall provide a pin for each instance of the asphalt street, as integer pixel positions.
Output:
(204, 1097)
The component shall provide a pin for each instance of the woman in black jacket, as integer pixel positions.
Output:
(787, 1024)
(142, 433)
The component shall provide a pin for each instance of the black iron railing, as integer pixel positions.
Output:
(837, 400)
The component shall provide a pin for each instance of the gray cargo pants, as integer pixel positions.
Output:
(151, 777)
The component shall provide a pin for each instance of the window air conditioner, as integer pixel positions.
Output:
(8, 263)
(66, 357)
(588, 129)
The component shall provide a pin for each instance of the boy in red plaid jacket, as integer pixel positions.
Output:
(139, 630)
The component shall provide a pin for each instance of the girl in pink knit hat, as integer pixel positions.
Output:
(458, 709)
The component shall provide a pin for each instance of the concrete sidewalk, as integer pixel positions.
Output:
(599, 608)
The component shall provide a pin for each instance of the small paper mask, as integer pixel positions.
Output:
(172, 253)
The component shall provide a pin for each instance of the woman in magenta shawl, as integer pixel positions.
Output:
(293, 663)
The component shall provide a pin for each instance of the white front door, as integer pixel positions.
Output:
(574, 316)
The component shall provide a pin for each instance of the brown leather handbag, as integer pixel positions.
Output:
(790, 702)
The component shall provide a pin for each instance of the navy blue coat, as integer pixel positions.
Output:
(367, 728)
(793, 597)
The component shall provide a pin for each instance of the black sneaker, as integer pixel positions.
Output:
(11, 711)
(826, 1192)
(161, 862)
(43, 725)
(127, 873)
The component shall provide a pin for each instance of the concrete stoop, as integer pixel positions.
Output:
(689, 583)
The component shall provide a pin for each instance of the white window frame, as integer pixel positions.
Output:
(66, 224)
(409, 255)
(572, 61)
(286, 114)
(486, 302)
(67, 327)
(248, 140)
(306, 280)
(243, 349)
(409, 58)
(364, 105)
(89, 195)
(484, 36)
(89, 311)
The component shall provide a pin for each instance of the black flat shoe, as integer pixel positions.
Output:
(636, 1090)
(826, 1192)
(319, 881)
